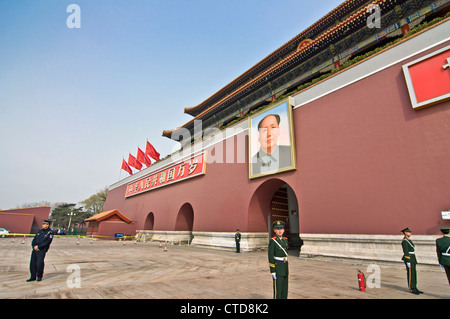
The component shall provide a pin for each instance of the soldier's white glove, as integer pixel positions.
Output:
(408, 264)
(274, 275)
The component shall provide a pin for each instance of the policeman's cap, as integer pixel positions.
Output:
(278, 224)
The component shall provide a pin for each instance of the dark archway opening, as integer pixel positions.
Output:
(149, 222)
(275, 200)
(185, 218)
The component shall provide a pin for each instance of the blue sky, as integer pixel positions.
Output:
(73, 102)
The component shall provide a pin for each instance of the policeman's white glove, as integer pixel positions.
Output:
(408, 264)
(274, 275)
(442, 267)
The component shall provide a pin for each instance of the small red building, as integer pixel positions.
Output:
(109, 223)
(24, 220)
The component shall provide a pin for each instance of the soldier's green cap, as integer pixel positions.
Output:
(406, 230)
(278, 224)
(445, 229)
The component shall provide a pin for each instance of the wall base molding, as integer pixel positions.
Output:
(216, 240)
(366, 247)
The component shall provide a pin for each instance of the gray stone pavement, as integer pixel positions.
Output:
(112, 270)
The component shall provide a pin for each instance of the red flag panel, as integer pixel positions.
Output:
(151, 151)
(141, 157)
(133, 162)
(126, 167)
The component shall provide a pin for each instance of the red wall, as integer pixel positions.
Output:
(216, 202)
(23, 220)
(109, 228)
(367, 163)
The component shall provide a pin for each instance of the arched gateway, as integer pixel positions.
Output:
(185, 218)
(274, 200)
(149, 222)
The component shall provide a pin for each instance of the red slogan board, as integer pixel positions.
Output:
(428, 78)
(194, 166)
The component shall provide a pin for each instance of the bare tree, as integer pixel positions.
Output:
(94, 204)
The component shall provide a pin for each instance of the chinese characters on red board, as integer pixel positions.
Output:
(192, 167)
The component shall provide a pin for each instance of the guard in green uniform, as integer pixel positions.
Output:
(237, 239)
(409, 258)
(278, 261)
(443, 251)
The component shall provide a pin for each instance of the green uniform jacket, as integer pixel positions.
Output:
(443, 250)
(277, 266)
(409, 252)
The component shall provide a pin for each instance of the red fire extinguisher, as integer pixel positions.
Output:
(361, 281)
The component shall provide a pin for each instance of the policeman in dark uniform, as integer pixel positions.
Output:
(237, 239)
(41, 243)
(278, 261)
(409, 258)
